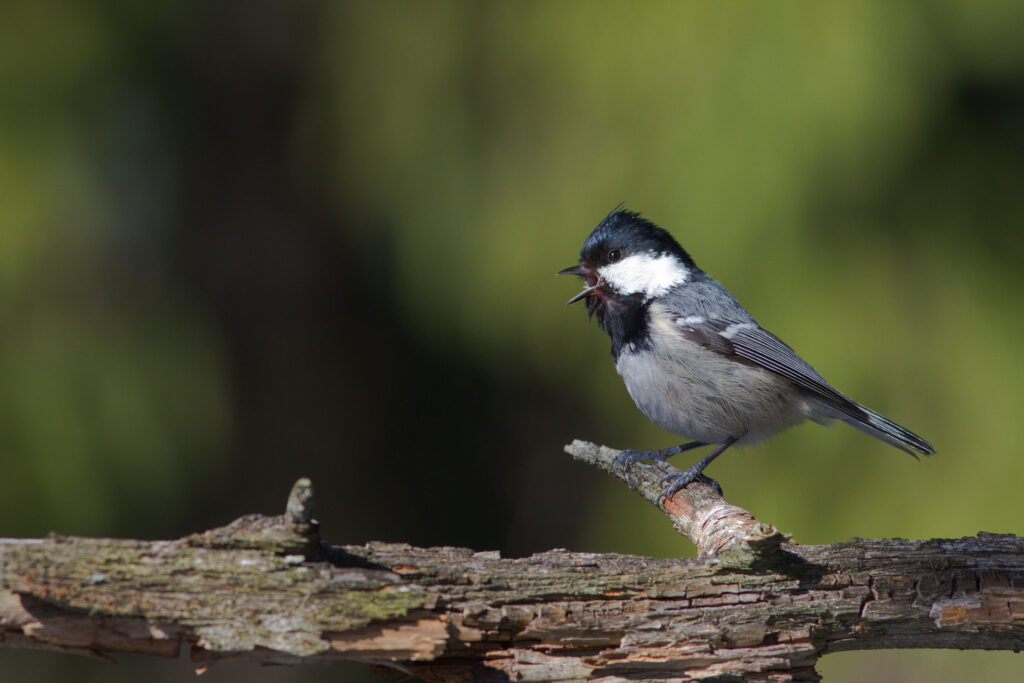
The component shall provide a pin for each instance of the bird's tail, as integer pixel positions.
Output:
(888, 431)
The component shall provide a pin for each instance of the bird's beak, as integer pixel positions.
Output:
(582, 295)
(588, 275)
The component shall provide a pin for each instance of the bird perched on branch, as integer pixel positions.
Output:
(693, 360)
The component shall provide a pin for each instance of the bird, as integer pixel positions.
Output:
(693, 360)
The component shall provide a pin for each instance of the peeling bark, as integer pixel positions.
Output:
(759, 609)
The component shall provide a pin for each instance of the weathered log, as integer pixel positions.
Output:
(266, 589)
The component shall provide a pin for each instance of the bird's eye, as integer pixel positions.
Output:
(614, 255)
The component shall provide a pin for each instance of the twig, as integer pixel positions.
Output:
(698, 511)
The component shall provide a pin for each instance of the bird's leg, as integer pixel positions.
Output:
(630, 456)
(674, 482)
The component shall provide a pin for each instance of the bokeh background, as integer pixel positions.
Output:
(242, 242)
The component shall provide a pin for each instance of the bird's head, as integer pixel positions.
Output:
(628, 260)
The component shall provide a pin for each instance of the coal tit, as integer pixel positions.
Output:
(693, 360)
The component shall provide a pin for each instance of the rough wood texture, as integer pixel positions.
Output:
(266, 588)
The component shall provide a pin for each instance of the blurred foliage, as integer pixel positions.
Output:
(243, 242)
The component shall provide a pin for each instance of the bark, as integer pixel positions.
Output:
(754, 606)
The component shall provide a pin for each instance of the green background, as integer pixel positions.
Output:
(243, 242)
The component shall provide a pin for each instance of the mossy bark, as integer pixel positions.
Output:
(266, 589)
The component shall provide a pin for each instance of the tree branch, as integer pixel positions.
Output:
(697, 511)
(266, 589)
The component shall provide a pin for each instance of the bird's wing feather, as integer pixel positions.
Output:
(748, 341)
(707, 314)
(727, 328)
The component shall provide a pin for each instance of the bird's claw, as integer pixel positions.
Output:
(711, 482)
(678, 480)
(673, 483)
(630, 456)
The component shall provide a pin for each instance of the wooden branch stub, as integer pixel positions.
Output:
(298, 514)
(698, 511)
(293, 533)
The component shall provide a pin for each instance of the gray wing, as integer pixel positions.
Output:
(747, 341)
(707, 314)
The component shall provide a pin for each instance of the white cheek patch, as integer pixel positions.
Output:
(651, 274)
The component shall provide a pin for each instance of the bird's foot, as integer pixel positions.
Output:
(630, 456)
(679, 480)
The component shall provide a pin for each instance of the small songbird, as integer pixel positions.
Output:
(693, 360)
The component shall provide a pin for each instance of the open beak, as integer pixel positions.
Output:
(582, 272)
(582, 295)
